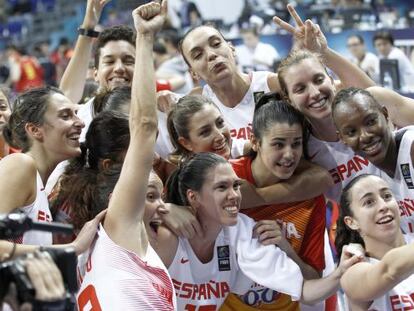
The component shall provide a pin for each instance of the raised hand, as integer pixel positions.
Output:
(307, 34)
(149, 18)
(93, 13)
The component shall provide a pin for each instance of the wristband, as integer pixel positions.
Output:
(88, 32)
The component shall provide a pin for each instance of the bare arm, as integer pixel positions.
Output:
(126, 207)
(365, 282)
(18, 189)
(74, 77)
(309, 181)
(317, 290)
(400, 108)
(349, 73)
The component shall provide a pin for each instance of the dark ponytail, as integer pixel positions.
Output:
(178, 122)
(191, 175)
(172, 193)
(344, 234)
(8, 135)
(271, 110)
(107, 138)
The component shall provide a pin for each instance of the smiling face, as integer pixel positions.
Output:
(61, 128)
(362, 126)
(207, 132)
(208, 54)
(375, 210)
(116, 64)
(219, 198)
(4, 111)
(310, 89)
(279, 151)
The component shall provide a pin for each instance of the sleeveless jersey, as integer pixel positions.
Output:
(240, 117)
(38, 211)
(341, 162)
(303, 225)
(401, 297)
(402, 184)
(238, 260)
(113, 278)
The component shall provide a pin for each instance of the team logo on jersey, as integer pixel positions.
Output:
(405, 170)
(223, 257)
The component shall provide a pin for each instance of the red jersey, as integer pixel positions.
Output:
(303, 225)
(31, 75)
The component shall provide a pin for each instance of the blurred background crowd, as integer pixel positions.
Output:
(37, 36)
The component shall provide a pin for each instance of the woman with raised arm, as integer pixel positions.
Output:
(74, 78)
(305, 82)
(211, 58)
(369, 215)
(122, 255)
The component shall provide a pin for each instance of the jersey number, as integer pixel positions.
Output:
(88, 297)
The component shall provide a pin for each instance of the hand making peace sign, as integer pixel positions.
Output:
(307, 34)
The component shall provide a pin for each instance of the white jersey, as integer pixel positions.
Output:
(38, 211)
(238, 260)
(86, 114)
(401, 297)
(113, 278)
(402, 184)
(240, 118)
(341, 162)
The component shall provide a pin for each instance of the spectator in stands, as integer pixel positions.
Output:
(174, 69)
(189, 14)
(49, 68)
(20, 6)
(384, 44)
(25, 70)
(254, 55)
(367, 61)
(61, 56)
